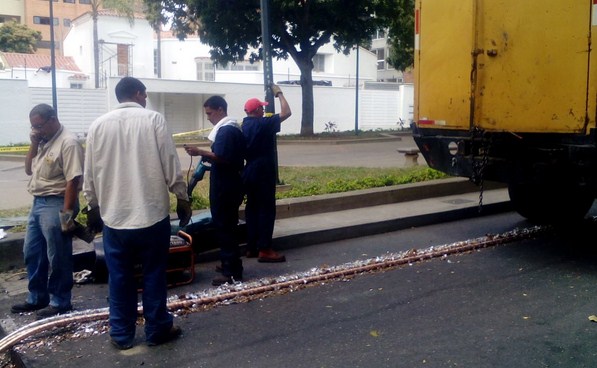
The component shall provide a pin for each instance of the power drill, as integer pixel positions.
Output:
(198, 175)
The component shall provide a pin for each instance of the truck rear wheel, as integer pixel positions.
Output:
(550, 203)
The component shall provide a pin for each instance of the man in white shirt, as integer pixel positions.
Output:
(132, 164)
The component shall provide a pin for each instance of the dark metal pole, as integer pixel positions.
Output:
(356, 102)
(53, 57)
(268, 73)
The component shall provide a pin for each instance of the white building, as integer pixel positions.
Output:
(127, 49)
(124, 48)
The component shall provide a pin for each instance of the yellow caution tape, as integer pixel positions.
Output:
(194, 132)
(14, 149)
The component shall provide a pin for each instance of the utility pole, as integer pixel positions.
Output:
(356, 102)
(268, 73)
(53, 57)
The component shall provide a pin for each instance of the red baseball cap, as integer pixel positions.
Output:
(253, 104)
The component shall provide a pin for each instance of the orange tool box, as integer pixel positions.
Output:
(180, 267)
(181, 261)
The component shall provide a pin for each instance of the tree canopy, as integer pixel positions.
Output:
(15, 37)
(298, 29)
(402, 36)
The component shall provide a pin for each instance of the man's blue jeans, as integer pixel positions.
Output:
(48, 251)
(123, 250)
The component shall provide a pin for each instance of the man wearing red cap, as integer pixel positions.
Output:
(259, 176)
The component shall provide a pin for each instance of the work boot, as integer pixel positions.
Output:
(26, 307)
(121, 346)
(51, 311)
(270, 256)
(173, 333)
(232, 271)
(221, 280)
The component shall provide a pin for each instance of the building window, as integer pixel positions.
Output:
(84, 1)
(75, 85)
(69, 1)
(47, 45)
(381, 59)
(9, 18)
(44, 20)
(379, 34)
(122, 57)
(66, 22)
(319, 63)
(205, 71)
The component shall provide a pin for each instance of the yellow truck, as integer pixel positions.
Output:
(506, 90)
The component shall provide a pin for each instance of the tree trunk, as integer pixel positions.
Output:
(307, 94)
(158, 31)
(96, 51)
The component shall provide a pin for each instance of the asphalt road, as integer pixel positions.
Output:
(521, 304)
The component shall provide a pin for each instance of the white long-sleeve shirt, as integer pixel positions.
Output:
(130, 166)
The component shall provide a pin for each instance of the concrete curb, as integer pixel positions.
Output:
(302, 206)
(372, 228)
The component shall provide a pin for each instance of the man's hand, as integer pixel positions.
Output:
(35, 138)
(276, 90)
(67, 223)
(184, 212)
(94, 220)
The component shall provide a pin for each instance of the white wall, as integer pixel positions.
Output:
(14, 114)
(178, 57)
(178, 62)
(339, 68)
(39, 78)
(182, 102)
(78, 44)
(331, 103)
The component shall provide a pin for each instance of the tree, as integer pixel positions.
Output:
(15, 37)
(155, 18)
(298, 29)
(402, 36)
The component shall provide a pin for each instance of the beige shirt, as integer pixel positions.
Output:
(131, 165)
(57, 161)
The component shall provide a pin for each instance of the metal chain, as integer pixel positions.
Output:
(479, 168)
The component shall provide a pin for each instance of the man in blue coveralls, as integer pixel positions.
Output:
(259, 176)
(225, 184)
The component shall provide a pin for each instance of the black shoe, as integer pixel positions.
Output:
(120, 346)
(221, 280)
(51, 311)
(173, 333)
(26, 307)
(252, 253)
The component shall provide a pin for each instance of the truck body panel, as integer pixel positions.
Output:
(505, 90)
(504, 65)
